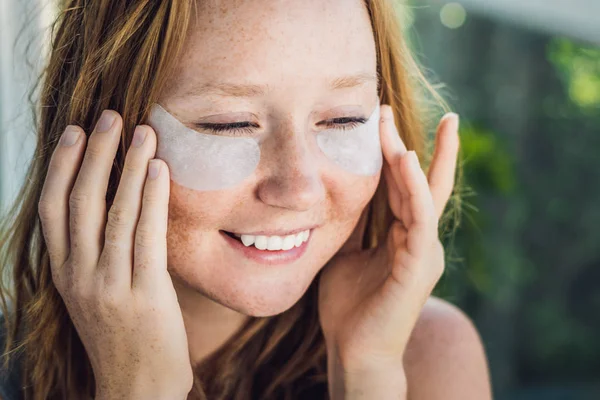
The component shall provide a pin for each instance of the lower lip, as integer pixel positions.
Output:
(267, 257)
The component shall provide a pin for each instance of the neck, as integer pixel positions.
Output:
(208, 324)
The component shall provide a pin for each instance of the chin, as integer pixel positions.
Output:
(260, 286)
(257, 293)
(265, 307)
(264, 296)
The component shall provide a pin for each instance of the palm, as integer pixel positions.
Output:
(352, 298)
(367, 298)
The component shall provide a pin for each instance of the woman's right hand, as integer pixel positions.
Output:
(111, 268)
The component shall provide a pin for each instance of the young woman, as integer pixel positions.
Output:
(226, 202)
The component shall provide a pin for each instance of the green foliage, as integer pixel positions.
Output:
(579, 67)
(490, 166)
(523, 262)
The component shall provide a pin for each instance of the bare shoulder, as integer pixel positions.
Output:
(445, 358)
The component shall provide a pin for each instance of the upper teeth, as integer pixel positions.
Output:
(275, 242)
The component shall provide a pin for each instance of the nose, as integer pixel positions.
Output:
(293, 181)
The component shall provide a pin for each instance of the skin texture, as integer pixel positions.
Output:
(298, 49)
(444, 358)
(112, 276)
(115, 276)
(385, 339)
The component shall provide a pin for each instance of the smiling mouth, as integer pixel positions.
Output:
(272, 243)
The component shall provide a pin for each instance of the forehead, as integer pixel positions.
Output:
(276, 42)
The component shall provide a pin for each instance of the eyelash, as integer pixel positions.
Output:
(246, 127)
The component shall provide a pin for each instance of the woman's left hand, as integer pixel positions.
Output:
(370, 300)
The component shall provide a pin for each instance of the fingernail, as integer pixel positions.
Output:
(69, 136)
(139, 135)
(454, 116)
(457, 120)
(106, 121)
(153, 169)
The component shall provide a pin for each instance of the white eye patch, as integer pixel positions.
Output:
(356, 150)
(200, 161)
(210, 162)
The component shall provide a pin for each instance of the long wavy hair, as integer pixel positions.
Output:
(118, 54)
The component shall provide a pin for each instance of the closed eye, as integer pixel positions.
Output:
(344, 123)
(246, 127)
(235, 128)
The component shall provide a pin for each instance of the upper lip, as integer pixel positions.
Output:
(276, 232)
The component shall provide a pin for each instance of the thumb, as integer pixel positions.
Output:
(355, 241)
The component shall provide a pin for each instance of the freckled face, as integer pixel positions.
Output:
(292, 52)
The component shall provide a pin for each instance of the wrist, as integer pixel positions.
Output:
(139, 396)
(137, 392)
(366, 378)
(142, 385)
(375, 383)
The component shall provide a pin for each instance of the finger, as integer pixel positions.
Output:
(423, 226)
(54, 199)
(394, 195)
(87, 202)
(393, 150)
(150, 247)
(443, 165)
(391, 143)
(125, 210)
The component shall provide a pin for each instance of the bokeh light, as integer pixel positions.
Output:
(453, 15)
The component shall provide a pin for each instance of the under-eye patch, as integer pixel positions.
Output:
(356, 150)
(200, 161)
(204, 162)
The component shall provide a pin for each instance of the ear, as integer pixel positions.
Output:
(354, 242)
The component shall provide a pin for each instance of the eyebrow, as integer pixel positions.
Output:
(247, 90)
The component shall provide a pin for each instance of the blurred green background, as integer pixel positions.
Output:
(525, 262)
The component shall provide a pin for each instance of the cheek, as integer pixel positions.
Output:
(195, 218)
(348, 198)
(198, 258)
(203, 210)
(349, 195)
